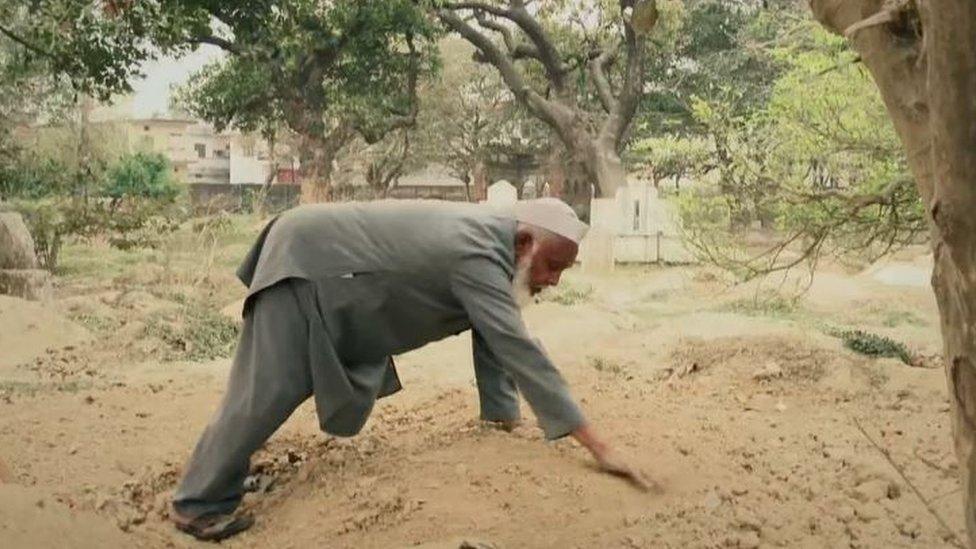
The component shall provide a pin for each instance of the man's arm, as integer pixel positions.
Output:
(497, 392)
(485, 292)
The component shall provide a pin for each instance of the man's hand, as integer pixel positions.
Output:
(611, 462)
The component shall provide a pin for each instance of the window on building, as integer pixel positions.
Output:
(201, 150)
(145, 128)
(220, 153)
(636, 215)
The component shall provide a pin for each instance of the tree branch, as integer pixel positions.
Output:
(551, 113)
(23, 42)
(623, 112)
(518, 14)
(598, 73)
(515, 49)
(221, 43)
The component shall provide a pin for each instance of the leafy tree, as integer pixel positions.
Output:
(328, 72)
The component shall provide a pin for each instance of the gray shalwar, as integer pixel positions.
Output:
(334, 291)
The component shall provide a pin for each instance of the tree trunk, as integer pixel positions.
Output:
(950, 43)
(591, 168)
(316, 174)
(604, 165)
(929, 94)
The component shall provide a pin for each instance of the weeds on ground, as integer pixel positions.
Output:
(97, 324)
(873, 345)
(196, 332)
(603, 365)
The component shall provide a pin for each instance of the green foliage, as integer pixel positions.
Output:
(818, 164)
(196, 332)
(137, 222)
(144, 175)
(671, 156)
(717, 52)
(874, 345)
(28, 176)
(309, 65)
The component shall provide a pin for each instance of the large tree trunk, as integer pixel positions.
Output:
(592, 167)
(950, 42)
(318, 160)
(929, 92)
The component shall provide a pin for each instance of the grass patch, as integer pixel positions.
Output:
(97, 324)
(894, 319)
(772, 305)
(568, 294)
(33, 388)
(196, 332)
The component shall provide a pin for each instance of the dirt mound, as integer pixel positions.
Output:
(765, 358)
(28, 329)
(32, 519)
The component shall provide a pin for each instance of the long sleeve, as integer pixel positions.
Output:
(497, 392)
(484, 290)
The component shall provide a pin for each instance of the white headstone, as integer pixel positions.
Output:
(502, 193)
(529, 190)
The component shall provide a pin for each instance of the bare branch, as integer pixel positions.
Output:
(515, 49)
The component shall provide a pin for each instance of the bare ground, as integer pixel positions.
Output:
(741, 404)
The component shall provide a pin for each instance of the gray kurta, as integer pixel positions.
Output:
(392, 276)
(333, 292)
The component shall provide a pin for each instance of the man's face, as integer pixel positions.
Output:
(541, 263)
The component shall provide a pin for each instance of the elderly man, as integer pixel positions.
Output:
(335, 290)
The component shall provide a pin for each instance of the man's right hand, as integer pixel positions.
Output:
(611, 462)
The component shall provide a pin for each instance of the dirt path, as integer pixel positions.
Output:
(746, 415)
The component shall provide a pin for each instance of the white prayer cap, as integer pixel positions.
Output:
(551, 214)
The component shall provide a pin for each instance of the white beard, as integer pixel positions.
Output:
(521, 286)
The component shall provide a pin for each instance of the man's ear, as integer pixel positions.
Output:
(523, 242)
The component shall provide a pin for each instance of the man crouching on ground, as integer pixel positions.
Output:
(335, 290)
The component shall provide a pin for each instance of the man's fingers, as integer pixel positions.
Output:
(636, 477)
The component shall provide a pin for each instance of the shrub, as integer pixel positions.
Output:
(144, 175)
